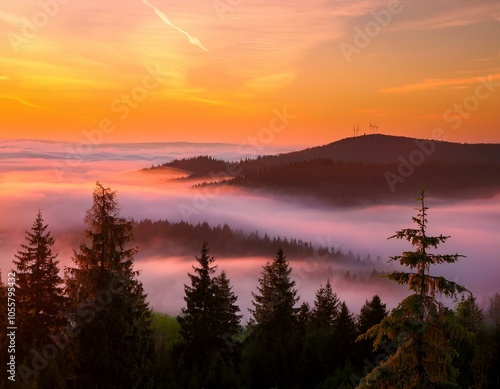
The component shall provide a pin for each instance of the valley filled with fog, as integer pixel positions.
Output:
(53, 178)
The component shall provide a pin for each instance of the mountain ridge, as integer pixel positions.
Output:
(387, 148)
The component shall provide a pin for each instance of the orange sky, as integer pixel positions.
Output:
(223, 68)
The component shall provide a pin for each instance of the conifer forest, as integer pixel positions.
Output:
(90, 325)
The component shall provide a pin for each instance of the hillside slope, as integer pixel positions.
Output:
(362, 170)
(386, 149)
(366, 149)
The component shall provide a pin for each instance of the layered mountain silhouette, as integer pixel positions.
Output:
(361, 170)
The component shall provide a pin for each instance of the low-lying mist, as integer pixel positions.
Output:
(164, 281)
(30, 183)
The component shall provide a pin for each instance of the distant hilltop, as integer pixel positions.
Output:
(368, 149)
(387, 148)
(369, 169)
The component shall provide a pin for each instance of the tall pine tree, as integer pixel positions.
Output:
(208, 325)
(111, 322)
(475, 351)
(345, 335)
(421, 325)
(371, 314)
(318, 354)
(273, 348)
(210, 317)
(196, 321)
(274, 306)
(226, 311)
(39, 290)
(326, 307)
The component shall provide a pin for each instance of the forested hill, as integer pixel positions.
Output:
(378, 148)
(357, 183)
(367, 169)
(184, 239)
(366, 149)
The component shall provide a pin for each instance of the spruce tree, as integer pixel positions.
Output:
(210, 317)
(328, 352)
(421, 325)
(227, 315)
(371, 314)
(273, 348)
(326, 307)
(475, 351)
(304, 316)
(344, 335)
(111, 334)
(318, 354)
(274, 306)
(39, 291)
(208, 325)
(196, 322)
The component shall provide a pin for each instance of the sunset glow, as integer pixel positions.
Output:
(212, 71)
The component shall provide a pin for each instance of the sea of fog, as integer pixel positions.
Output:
(58, 180)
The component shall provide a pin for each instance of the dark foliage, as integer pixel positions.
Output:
(110, 314)
(208, 325)
(354, 183)
(40, 302)
(272, 348)
(372, 313)
(111, 339)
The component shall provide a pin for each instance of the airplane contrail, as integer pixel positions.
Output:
(31, 105)
(193, 40)
(22, 101)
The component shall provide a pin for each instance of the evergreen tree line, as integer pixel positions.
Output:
(93, 328)
(177, 238)
(357, 183)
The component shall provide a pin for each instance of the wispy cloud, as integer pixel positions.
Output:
(271, 83)
(437, 83)
(22, 101)
(451, 15)
(193, 40)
